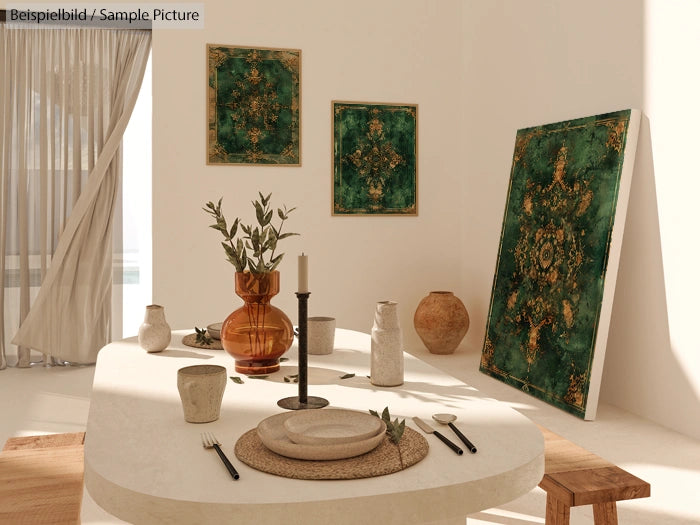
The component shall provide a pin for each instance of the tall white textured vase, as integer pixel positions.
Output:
(154, 333)
(387, 346)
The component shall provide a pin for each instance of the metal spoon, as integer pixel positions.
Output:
(447, 419)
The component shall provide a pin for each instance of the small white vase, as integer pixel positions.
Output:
(387, 346)
(154, 333)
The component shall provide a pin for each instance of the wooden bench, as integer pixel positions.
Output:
(41, 479)
(574, 476)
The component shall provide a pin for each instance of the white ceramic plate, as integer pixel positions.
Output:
(331, 426)
(274, 436)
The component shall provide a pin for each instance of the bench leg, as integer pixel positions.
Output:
(605, 513)
(557, 512)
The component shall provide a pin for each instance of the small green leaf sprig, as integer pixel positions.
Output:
(253, 247)
(239, 381)
(202, 336)
(394, 429)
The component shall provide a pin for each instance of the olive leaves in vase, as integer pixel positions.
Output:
(255, 247)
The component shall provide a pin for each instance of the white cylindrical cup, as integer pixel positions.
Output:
(320, 335)
(201, 390)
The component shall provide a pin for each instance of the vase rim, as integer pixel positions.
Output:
(442, 292)
(153, 306)
(387, 302)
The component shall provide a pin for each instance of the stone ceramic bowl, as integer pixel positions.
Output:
(215, 330)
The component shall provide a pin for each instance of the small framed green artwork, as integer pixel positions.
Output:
(553, 287)
(375, 158)
(253, 106)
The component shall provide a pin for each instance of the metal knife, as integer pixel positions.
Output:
(430, 430)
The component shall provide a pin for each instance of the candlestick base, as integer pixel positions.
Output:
(294, 403)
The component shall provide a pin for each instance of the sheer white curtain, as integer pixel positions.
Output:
(66, 96)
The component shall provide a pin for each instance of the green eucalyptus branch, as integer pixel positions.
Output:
(254, 248)
(202, 336)
(394, 429)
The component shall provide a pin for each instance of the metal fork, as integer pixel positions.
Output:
(209, 441)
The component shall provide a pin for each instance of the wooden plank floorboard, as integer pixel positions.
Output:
(46, 441)
(41, 480)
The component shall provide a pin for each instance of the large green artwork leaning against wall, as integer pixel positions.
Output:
(253, 106)
(375, 158)
(557, 263)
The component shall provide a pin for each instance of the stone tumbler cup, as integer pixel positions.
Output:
(201, 390)
(321, 335)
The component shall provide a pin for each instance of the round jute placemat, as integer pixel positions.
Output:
(191, 340)
(385, 459)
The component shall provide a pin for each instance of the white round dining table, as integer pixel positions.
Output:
(145, 464)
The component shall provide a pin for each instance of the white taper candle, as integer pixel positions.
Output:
(303, 273)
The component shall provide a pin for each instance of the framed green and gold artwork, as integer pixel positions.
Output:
(253, 106)
(560, 244)
(375, 158)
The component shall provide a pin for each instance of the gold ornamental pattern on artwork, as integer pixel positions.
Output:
(553, 255)
(374, 158)
(253, 105)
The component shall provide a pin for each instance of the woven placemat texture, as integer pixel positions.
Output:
(385, 459)
(191, 340)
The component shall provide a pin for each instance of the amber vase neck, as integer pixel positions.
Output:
(257, 287)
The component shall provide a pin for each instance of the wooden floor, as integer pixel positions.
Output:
(41, 479)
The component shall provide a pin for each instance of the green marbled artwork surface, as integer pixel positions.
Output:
(253, 106)
(548, 287)
(374, 159)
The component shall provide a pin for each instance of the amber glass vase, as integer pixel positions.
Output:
(257, 334)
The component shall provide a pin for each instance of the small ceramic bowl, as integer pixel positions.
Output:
(215, 330)
(331, 427)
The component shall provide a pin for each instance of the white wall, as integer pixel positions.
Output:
(384, 51)
(479, 71)
(531, 63)
(654, 368)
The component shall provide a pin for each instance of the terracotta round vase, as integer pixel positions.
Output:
(257, 334)
(441, 321)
